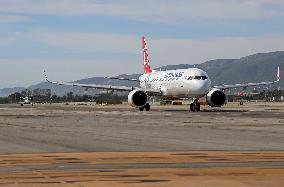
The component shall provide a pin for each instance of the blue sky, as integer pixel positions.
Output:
(75, 39)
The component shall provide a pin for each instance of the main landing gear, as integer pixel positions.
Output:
(146, 107)
(195, 106)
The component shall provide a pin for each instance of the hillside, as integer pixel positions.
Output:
(254, 68)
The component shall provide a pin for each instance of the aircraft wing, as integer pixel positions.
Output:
(122, 79)
(103, 87)
(225, 87)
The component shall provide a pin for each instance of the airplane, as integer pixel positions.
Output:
(180, 83)
(26, 101)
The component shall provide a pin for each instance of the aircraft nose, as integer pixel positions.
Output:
(204, 86)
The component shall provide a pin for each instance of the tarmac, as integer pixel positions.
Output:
(90, 145)
(131, 169)
(85, 128)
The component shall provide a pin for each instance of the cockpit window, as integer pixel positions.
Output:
(200, 77)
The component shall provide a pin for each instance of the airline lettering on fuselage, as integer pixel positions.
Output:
(147, 82)
(166, 77)
(174, 75)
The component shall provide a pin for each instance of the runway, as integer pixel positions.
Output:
(76, 128)
(86, 145)
(198, 168)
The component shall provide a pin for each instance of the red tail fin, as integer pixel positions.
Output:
(147, 68)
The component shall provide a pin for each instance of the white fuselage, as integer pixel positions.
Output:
(182, 82)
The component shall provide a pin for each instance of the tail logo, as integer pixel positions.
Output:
(147, 68)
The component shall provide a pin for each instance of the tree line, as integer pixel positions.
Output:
(264, 95)
(46, 96)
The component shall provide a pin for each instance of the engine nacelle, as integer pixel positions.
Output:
(216, 98)
(137, 98)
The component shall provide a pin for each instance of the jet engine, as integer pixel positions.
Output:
(216, 98)
(137, 98)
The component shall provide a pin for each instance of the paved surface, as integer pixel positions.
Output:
(252, 136)
(74, 128)
(167, 169)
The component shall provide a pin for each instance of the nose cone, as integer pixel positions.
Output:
(202, 86)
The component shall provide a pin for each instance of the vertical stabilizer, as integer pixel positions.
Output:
(147, 68)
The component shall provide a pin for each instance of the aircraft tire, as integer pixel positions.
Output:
(191, 107)
(147, 107)
(197, 107)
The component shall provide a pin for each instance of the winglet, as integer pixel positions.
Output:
(45, 76)
(278, 75)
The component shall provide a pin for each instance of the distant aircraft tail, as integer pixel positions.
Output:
(278, 74)
(147, 68)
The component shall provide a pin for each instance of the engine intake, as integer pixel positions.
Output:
(137, 98)
(216, 98)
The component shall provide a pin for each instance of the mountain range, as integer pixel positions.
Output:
(254, 68)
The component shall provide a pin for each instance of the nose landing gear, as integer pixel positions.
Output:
(195, 106)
